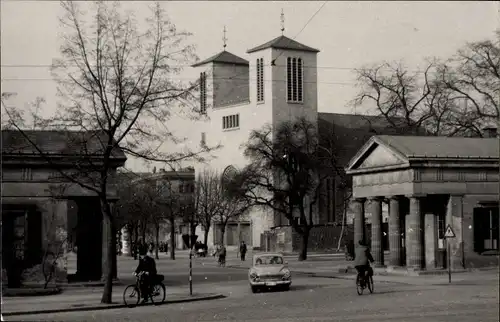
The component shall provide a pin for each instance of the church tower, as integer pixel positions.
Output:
(291, 82)
(277, 84)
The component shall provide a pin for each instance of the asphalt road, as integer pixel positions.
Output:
(205, 270)
(316, 299)
(176, 272)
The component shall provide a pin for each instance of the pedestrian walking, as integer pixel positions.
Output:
(243, 250)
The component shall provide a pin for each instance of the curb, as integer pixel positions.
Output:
(102, 307)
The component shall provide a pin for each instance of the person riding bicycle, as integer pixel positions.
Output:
(362, 259)
(222, 255)
(147, 265)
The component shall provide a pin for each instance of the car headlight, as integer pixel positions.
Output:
(286, 273)
(254, 276)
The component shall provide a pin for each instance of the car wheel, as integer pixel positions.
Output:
(254, 289)
(285, 288)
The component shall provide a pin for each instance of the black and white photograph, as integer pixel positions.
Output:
(204, 161)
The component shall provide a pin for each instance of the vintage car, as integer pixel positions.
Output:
(269, 270)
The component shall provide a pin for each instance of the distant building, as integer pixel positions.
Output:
(179, 183)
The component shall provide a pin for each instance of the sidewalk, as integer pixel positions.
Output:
(88, 299)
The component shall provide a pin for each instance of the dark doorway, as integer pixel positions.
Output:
(88, 239)
(486, 222)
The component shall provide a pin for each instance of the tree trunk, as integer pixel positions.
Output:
(222, 233)
(192, 228)
(344, 221)
(157, 240)
(107, 258)
(305, 241)
(136, 240)
(172, 239)
(143, 231)
(205, 235)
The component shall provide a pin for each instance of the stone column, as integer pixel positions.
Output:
(376, 248)
(430, 237)
(414, 252)
(395, 247)
(359, 220)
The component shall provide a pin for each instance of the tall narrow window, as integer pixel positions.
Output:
(295, 80)
(260, 79)
(203, 93)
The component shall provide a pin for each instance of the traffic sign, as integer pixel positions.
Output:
(449, 232)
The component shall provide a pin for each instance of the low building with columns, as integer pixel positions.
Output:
(43, 210)
(429, 183)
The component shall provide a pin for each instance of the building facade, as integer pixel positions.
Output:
(277, 83)
(430, 183)
(42, 208)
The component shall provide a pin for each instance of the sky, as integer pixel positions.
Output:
(348, 34)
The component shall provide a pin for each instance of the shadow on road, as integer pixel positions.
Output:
(395, 291)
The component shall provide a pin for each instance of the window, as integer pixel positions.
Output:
(294, 80)
(231, 121)
(27, 174)
(203, 93)
(203, 141)
(260, 80)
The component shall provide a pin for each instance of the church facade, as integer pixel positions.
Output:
(277, 83)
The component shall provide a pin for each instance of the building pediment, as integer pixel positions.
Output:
(376, 155)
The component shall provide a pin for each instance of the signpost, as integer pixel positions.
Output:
(449, 234)
(190, 240)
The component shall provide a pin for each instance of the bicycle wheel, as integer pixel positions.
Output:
(159, 294)
(359, 288)
(369, 281)
(131, 296)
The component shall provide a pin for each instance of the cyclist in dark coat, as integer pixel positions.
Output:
(147, 265)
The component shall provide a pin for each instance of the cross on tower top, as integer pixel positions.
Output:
(224, 39)
(282, 22)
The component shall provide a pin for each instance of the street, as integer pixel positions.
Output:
(316, 299)
(205, 269)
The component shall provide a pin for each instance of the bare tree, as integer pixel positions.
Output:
(410, 101)
(208, 199)
(231, 205)
(332, 160)
(117, 82)
(284, 175)
(473, 77)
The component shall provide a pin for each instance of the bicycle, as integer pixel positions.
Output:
(157, 290)
(364, 282)
(222, 261)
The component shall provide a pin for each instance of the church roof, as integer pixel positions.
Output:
(283, 42)
(352, 131)
(224, 57)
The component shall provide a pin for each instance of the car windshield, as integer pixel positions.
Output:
(269, 260)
